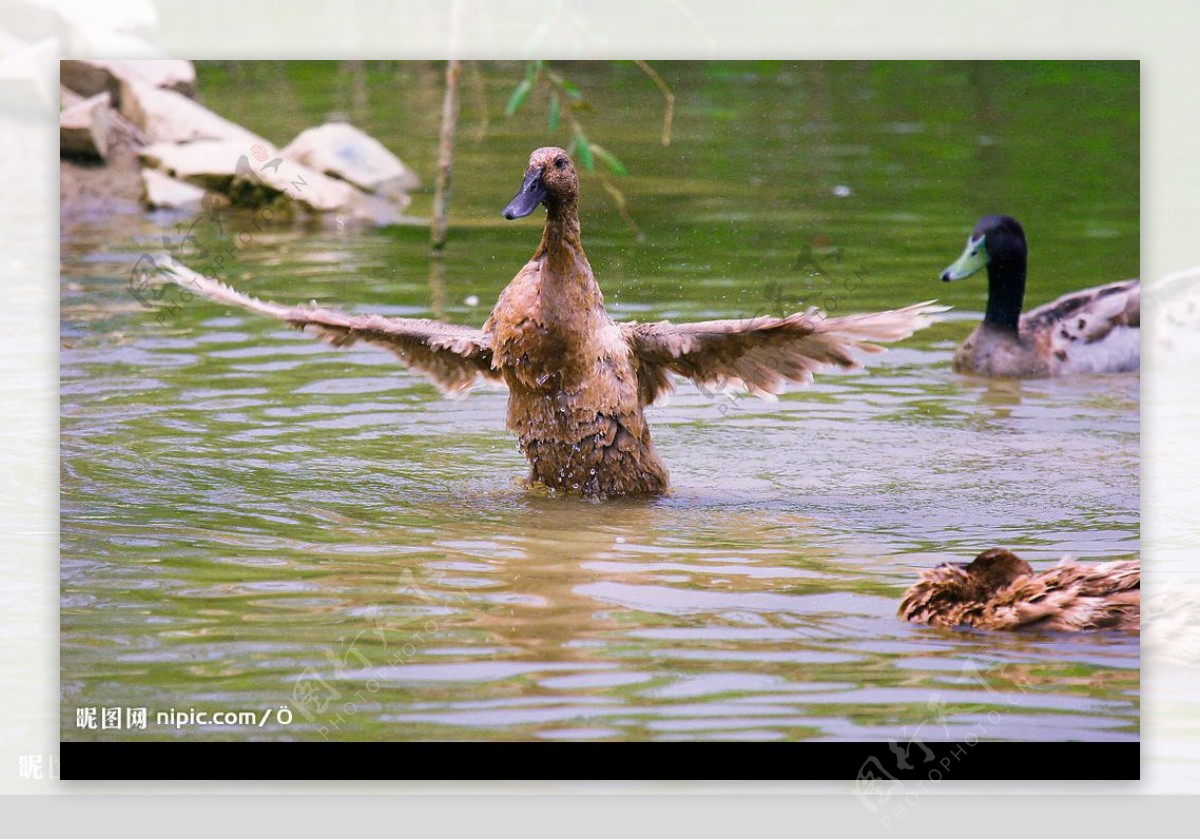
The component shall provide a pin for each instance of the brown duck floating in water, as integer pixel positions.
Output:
(1095, 330)
(1000, 591)
(578, 380)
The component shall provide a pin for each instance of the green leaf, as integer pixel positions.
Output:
(571, 91)
(518, 97)
(610, 160)
(521, 93)
(585, 152)
(555, 108)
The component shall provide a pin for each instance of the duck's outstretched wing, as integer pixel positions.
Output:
(762, 354)
(453, 357)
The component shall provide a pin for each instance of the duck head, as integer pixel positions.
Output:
(997, 243)
(996, 569)
(550, 179)
(996, 240)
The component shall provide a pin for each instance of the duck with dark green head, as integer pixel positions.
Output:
(1097, 330)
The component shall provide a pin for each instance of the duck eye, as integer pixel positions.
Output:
(560, 162)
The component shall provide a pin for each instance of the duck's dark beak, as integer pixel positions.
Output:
(531, 195)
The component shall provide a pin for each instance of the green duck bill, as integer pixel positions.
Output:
(974, 258)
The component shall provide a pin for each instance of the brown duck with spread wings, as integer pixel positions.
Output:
(578, 381)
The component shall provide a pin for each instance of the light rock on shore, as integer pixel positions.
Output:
(225, 166)
(91, 77)
(163, 191)
(83, 128)
(173, 152)
(164, 115)
(343, 151)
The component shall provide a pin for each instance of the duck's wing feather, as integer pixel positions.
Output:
(453, 357)
(1089, 315)
(940, 597)
(1073, 596)
(762, 354)
(1091, 331)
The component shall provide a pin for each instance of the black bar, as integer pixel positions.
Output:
(874, 764)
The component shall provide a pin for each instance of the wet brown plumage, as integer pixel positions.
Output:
(1000, 591)
(578, 381)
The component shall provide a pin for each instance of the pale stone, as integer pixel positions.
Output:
(324, 194)
(345, 152)
(248, 180)
(202, 160)
(164, 115)
(90, 77)
(163, 191)
(67, 98)
(83, 128)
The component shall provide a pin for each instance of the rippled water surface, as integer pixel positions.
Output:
(251, 520)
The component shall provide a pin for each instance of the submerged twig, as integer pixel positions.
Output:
(668, 95)
(441, 197)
